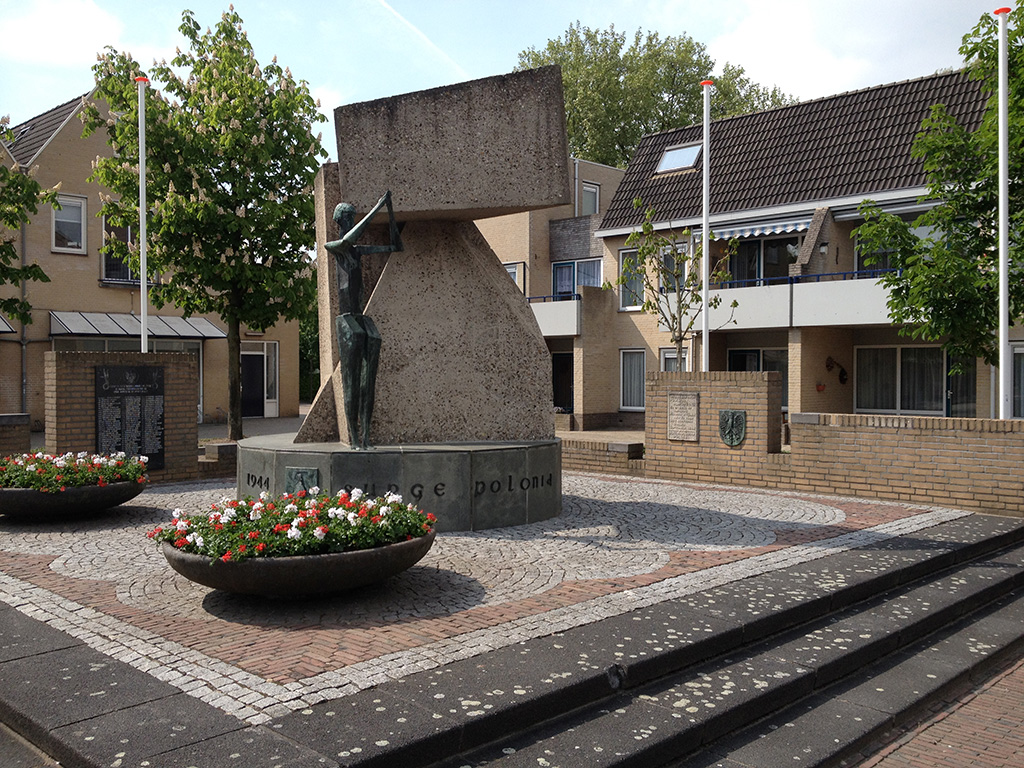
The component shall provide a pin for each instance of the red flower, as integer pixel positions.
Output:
(179, 543)
(226, 556)
(260, 547)
(431, 517)
(241, 547)
(254, 534)
(301, 494)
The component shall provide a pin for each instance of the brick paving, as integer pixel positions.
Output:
(974, 727)
(620, 544)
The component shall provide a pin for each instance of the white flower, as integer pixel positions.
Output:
(264, 495)
(176, 514)
(314, 491)
(181, 525)
(294, 533)
(319, 532)
(255, 514)
(356, 494)
(291, 509)
(353, 518)
(392, 498)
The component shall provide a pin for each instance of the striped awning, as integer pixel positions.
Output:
(760, 229)
(110, 324)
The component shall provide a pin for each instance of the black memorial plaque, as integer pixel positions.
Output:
(130, 411)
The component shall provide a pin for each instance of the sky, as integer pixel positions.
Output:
(358, 50)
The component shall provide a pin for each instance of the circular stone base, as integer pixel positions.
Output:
(469, 486)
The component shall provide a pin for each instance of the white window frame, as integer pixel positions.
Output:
(622, 376)
(669, 353)
(686, 159)
(589, 186)
(624, 291)
(65, 202)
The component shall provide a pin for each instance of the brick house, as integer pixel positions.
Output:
(785, 186)
(559, 265)
(92, 301)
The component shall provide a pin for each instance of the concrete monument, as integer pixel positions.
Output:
(462, 421)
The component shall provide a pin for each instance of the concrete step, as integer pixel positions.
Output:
(791, 678)
(653, 685)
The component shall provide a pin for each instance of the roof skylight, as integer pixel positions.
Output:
(678, 158)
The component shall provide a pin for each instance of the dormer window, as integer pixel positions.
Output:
(679, 158)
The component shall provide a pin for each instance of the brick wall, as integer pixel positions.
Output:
(14, 433)
(71, 405)
(975, 464)
(591, 456)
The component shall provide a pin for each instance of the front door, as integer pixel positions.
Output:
(253, 385)
(562, 379)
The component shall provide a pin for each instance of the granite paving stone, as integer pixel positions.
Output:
(633, 577)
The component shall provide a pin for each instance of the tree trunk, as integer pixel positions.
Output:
(234, 380)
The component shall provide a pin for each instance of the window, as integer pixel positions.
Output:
(114, 269)
(590, 199)
(672, 270)
(763, 360)
(631, 292)
(669, 361)
(882, 259)
(679, 158)
(566, 275)
(68, 234)
(513, 272)
(912, 380)
(755, 260)
(633, 367)
(1018, 382)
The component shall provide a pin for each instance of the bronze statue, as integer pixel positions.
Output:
(359, 341)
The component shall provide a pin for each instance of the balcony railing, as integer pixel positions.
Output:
(861, 274)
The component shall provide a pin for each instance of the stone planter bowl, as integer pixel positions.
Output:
(300, 575)
(77, 501)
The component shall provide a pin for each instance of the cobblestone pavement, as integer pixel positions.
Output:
(620, 544)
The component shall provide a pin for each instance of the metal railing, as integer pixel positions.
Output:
(861, 274)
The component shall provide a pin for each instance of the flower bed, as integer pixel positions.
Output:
(53, 474)
(301, 544)
(299, 524)
(41, 486)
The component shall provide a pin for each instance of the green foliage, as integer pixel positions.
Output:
(946, 285)
(20, 197)
(617, 90)
(295, 524)
(231, 160)
(670, 272)
(53, 474)
(309, 354)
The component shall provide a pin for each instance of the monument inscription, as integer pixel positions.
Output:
(683, 413)
(130, 411)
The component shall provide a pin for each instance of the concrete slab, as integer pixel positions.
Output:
(461, 152)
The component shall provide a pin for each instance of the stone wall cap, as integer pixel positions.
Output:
(14, 419)
(805, 418)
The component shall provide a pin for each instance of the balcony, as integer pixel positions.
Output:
(558, 315)
(833, 299)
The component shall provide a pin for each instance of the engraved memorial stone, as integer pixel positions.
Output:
(683, 416)
(130, 411)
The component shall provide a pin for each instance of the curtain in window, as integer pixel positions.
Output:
(565, 278)
(876, 379)
(588, 272)
(922, 380)
(633, 379)
(963, 397)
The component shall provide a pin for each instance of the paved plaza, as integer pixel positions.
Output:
(620, 544)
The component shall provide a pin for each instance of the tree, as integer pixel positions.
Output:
(944, 286)
(230, 166)
(20, 197)
(669, 276)
(617, 93)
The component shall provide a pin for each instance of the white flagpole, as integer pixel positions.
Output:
(1005, 360)
(143, 272)
(705, 255)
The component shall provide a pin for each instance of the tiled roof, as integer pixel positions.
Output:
(32, 135)
(853, 144)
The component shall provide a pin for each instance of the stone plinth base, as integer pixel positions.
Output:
(469, 486)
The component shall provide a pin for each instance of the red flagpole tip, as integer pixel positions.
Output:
(141, 79)
(707, 82)
(999, 11)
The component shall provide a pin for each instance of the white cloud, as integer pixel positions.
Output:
(72, 29)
